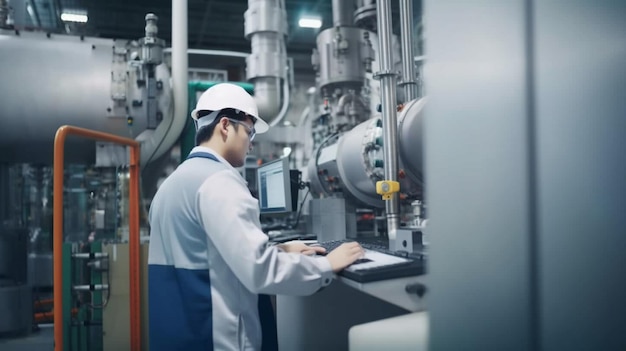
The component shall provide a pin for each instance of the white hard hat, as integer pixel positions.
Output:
(227, 95)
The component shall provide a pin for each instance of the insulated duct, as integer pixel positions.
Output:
(266, 28)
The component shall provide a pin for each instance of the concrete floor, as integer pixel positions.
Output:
(41, 340)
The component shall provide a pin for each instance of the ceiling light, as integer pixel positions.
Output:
(310, 22)
(74, 17)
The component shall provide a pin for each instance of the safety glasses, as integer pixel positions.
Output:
(250, 130)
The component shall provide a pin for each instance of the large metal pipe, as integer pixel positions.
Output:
(342, 13)
(388, 101)
(156, 142)
(266, 28)
(408, 64)
(283, 110)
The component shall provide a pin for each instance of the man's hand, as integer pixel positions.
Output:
(300, 247)
(344, 255)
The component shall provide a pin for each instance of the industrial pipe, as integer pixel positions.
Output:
(156, 142)
(408, 64)
(342, 12)
(283, 110)
(266, 28)
(213, 52)
(388, 100)
(57, 233)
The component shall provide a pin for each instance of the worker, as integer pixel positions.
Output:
(208, 258)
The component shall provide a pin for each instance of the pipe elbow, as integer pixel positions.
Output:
(267, 97)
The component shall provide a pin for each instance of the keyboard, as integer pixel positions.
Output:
(378, 263)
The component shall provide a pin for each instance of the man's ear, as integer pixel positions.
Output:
(222, 126)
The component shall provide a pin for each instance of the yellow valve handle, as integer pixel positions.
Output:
(387, 188)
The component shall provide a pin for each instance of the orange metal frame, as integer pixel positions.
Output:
(134, 281)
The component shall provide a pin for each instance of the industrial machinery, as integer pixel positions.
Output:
(350, 143)
(362, 132)
(115, 86)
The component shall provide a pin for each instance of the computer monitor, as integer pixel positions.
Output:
(274, 187)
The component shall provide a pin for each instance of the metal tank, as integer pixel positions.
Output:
(410, 139)
(350, 164)
(51, 80)
(342, 57)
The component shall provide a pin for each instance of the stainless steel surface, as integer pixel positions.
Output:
(332, 218)
(342, 12)
(388, 101)
(543, 157)
(411, 139)
(351, 166)
(151, 45)
(322, 321)
(353, 169)
(322, 170)
(365, 14)
(62, 80)
(580, 139)
(408, 65)
(392, 291)
(266, 28)
(342, 55)
(155, 142)
(401, 240)
(477, 169)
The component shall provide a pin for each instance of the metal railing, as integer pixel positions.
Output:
(133, 246)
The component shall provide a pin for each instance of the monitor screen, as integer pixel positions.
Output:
(274, 187)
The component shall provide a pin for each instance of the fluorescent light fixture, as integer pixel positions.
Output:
(74, 17)
(310, 22)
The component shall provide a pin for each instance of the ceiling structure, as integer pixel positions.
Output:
(213, 24)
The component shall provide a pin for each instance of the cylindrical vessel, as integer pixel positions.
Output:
(341, 61)
(410, 139)
(64, 80)
(357, 165)
(350, 165)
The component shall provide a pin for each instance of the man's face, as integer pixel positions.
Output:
(239, 143)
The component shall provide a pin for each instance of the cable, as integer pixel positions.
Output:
(301, 204)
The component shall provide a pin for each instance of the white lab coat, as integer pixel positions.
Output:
(209, 259)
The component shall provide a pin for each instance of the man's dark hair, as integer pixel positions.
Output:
(205, 133)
